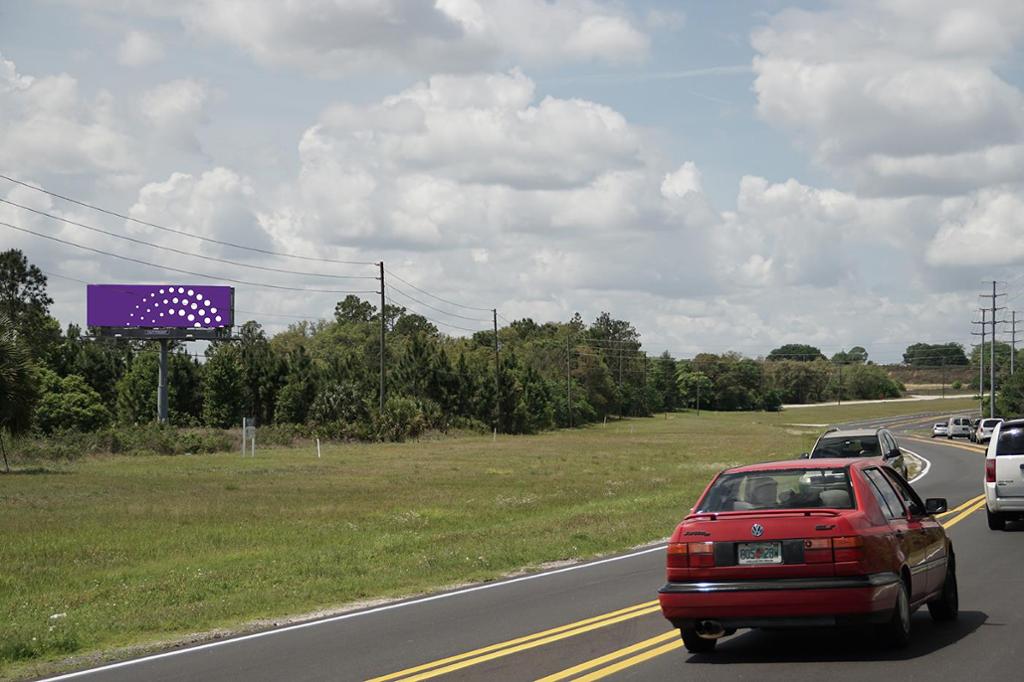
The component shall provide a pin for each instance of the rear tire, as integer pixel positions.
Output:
(996, 521)
(696, 644)
(947, 607)
(896, 633)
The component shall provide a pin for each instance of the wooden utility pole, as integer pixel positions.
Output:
(382, 327)
(568, 377)
(497, 375)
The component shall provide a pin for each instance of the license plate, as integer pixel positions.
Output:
(749, 553)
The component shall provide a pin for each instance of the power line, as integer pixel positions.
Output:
(443, 312)
(446, 324)
(181, 232)
(180, 251)
(424, 291)
(170, 269)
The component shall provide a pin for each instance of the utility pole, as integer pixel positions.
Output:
(992, 351)
(497, 376)
(568, 377)
(620, 382)
(382, 327)
(1013, 339)
(839, 394)
(943, 376)
(981, 363)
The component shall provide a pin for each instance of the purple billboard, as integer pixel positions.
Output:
(185, 306)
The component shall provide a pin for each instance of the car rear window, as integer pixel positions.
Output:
(1011, 440)
(989, 423)
(782, 489)
(838, 446)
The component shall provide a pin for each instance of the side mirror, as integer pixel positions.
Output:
(805, 455)
(935, 505)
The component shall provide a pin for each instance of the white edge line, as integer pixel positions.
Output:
(347, 616)
(927, 465)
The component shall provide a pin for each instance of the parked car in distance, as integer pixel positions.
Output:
(1004, 474)
(974, 427)
(872, 443)
(940, 429)
(958, 427)
(983, 432)
(808, 543)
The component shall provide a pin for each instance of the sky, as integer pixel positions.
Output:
(726, 176)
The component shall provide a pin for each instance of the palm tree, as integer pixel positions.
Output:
(19, 389)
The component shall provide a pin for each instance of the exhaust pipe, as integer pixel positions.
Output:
(710, 629)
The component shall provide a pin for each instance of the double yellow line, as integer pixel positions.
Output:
(607, 664)
(960, 513)
(673, 642)
(464, 660)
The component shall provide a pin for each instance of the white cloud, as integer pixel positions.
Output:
(893, 95)
(986, 228)
(176, 110)
(48, 126)
(337, 37)
(139, 49)
(219, 204)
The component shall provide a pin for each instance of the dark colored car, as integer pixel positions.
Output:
(804, 544)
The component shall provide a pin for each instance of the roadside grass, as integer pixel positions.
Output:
(109, 552)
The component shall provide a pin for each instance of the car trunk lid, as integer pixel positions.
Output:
(760, 544)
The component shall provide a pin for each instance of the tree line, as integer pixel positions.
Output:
(324, 375)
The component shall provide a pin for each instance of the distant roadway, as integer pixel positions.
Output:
(600, 620)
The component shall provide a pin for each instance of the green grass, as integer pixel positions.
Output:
(139, 550)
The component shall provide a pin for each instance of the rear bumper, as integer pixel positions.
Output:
(1002, 505)
(782, 603)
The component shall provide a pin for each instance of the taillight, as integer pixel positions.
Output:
(691, 554)
(818, 551)
(850, 548)
(990, 470)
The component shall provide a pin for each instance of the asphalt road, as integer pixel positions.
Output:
(600, 620)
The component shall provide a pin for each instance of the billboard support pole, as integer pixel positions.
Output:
(161, 391)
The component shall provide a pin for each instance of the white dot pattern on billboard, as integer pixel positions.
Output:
(179, 305)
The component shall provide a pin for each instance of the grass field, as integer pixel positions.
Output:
(117, 551)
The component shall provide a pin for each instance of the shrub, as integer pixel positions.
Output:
(69, 404)
(957, 385)
(400, 419)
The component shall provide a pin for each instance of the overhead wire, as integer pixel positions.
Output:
(182, 252)
(392, 287)
(180, 270)
(185, 233)
(435, 296)
(446, 324)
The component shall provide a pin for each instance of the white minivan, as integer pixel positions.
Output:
(958, 427)
(1004, 474)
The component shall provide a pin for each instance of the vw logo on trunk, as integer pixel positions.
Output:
(757, 530)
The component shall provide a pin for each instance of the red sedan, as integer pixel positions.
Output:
(795, 544)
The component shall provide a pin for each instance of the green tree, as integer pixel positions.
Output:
(934, 354)
(222, 385)
(695, 388)
(137, 389)
(801, 352)
(299, 390)
(19, 385)
(262, 373)
(26, 305)
(663, 378)
(353, 309)
(69, 403)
